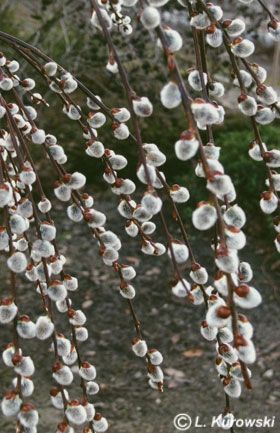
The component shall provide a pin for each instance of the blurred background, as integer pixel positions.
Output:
(62, 30)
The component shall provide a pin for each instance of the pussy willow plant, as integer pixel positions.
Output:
(28, 231)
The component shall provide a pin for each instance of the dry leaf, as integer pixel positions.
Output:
(174, 373)
(175, 338)
(133, 260)
(193, 353)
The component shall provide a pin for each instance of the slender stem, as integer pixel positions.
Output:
(265, 8)
(128, 89)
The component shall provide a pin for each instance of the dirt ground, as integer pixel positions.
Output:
(192, 385)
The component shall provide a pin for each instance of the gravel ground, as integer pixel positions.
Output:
(172, 326)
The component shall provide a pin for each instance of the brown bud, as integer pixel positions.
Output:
(223, 312)
(242, 290)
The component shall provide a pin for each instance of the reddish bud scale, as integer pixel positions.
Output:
(27, 407)
(17, 358)
(118, 182)
(54, 392)
(71, 313)
(237, 41)
(190, 298)
(170, 61)
(74, 403)
(56, 184)
(6, 301)
(66, 177)
(107, 153)
(273, 24)
(267, 195)
(242, 97)
(227, 23)
(195, 267)
(226, 381)
(240, 341)
(10, 395)
(62, 427)
(24, 318)
(224, 348)
(242, 290)
(242, 318)
(211, 29)
(57, 366)
(115, 125)
(223, 312)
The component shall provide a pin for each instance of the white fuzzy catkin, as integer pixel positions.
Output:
(87, 371)
(27, 386)
(181, 288)
(100, 424)
(242, 47)
(50, 68)
(247, 105)
(121, 131)
(128, 272)
(204, 217)
(25, 327)
(155, 357)
(232, 387)
(235, 216)
(218, 315)
(62, 374)
(23, 365)
(195, 80)
(246, 79)
(179, 194)
(247, 297)
(208, 332)
(170, 95)
(268, 202)
(150, 17)
(142, 107)
(11, 403)
(179, 252)
(246, 350)
(105, 17)
(200, 21)
(234, 27)
(17, 262)
(5, 194)
(56, 397)
(274, 30)
(56, 291)
(199, 274)
(227, 260)
(186, 147)
(28, 416)
(75, 412)
(173, 39)
(139, 347)
(127, 291)
(44, 327)
(8, 310)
